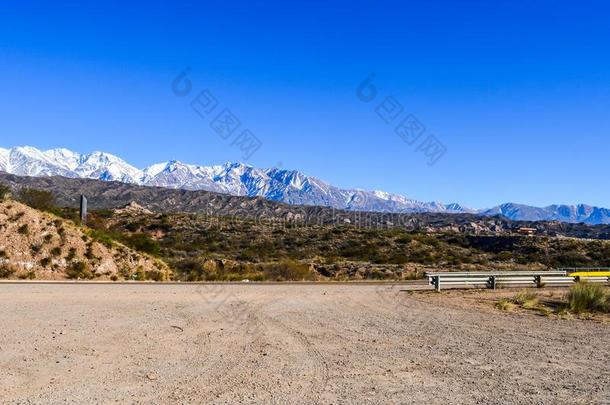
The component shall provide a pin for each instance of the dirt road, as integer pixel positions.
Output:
(288, 344)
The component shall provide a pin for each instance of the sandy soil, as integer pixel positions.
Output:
(289, 344)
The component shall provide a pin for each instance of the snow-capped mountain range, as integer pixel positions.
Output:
(286, 186)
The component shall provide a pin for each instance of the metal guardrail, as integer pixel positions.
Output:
(560, 272)
(508, 279)
(579, 269)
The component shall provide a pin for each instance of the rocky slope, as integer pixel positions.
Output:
(37, 245)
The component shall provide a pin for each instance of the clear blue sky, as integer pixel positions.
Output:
(517, 91)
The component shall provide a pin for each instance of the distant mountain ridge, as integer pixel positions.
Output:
(238, 179)
(563, 213)
(288, 186)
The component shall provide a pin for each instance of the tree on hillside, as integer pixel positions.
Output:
(5, 191)
(37, 199)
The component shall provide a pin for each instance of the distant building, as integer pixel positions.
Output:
(527, 231)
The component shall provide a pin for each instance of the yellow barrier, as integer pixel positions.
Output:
(590, 274)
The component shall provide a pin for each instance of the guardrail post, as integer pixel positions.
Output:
(436, 280)
(538, 281)
(492, 282)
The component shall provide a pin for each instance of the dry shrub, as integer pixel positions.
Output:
(505, 305)
(526, 299)
(287, 270)
(79, 270)
(6, 270)
(37, 199)
(585, 297)
(30, 275)
(23, 229)
(5, 192)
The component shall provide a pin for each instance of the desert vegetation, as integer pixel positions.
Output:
(583, 300)
(202, 247)
(585, 297)
(215, 248)
(37, 199)
(5, 191)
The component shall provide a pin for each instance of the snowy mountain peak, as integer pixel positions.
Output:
(69, 159)
(155, 169)
(564, 213)
(105, 166)
(288, 186)
(4, 159)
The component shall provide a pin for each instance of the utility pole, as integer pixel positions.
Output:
(83, 209)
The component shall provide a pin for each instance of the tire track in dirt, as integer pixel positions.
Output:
(201, 354)
(235, 364)
(210, 364)
(320, 368)
(225, 367)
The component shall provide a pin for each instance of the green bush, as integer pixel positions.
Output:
(584, 297)
(30, 275)
(132, 227)
(79, 270)
(398, 258)
(404, 240)
(143, 243)
(71, 254)
(504, 256)
(17, 217)
(249, 255)
(150, 275)
(45, 262)
(154, 275)
(190, 270)
(139, 274)
(101, 237)
(5, 191)
(37, 199)
(375, 274)
(89, 251)
(427, 240)
(23, 229)
(287, 271)
(505, 305)
(526, 299)
(6, 270)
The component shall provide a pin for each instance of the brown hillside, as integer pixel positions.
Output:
(38, 245)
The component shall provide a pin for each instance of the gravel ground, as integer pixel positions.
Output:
(297, 344)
